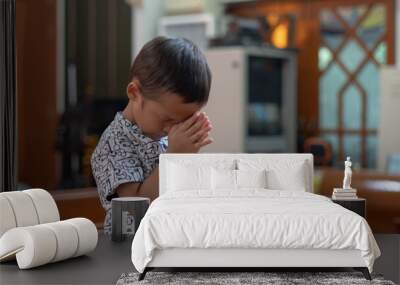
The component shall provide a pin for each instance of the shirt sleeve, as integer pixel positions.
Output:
(116, 161)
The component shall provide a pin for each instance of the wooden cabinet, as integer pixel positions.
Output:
(252, 104)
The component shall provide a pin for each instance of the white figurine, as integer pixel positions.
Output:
(347, 174)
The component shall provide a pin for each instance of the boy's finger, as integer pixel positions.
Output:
(206, 125)
(203, 137)
(189, 122)
(204, 142)
(198, 135)
(196, 126)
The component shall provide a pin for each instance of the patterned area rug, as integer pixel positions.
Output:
(231, 278)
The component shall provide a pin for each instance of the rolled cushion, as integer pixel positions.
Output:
(33, 246)
(87, 235)
(40, 244)
(23, 208)
(66, 238)
(26, 208)
(7, 218)
(45, 205)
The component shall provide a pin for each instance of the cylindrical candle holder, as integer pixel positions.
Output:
(127, 212)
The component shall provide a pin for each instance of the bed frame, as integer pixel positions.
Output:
(247, 259)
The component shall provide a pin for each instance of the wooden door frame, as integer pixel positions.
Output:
(36, 42)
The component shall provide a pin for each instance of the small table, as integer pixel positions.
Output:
(357, 205)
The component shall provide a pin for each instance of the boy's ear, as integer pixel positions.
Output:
(132, 90)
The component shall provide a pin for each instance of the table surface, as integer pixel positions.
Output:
(349, 200)
(102, 266)
(110, 259)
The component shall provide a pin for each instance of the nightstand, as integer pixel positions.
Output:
(356, 205)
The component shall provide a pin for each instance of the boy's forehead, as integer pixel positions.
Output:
(175, 108)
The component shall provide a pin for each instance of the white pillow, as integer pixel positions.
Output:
(251, 178)
(281, 175)
(182, 177)
(223, 179)
(235, 179)
(293, 179)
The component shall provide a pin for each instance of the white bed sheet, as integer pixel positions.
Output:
(251, 218)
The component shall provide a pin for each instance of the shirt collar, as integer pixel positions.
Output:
(133, 129)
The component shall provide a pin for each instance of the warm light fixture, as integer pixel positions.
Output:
(280, 34)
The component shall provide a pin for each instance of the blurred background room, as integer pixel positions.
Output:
(319, 76)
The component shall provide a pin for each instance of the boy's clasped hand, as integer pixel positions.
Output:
(190, 135)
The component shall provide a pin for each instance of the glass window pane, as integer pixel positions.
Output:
(352, 108)
(332, 32)
(351, 14)
(372, 147)
(324, 57)
(369, 80)
(352, 148)
(351, 55)
(329, 85)
(372, 27)
(380, 53)
(265, 100)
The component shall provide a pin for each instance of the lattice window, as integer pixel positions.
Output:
(352, 48)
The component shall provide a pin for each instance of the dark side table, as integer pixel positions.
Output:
(356, 205)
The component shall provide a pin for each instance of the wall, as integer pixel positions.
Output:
(388, 137)
(145, 15)
(389, 140)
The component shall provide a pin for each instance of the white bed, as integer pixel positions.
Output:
(281, 224)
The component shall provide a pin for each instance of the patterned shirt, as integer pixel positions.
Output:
(123, 154)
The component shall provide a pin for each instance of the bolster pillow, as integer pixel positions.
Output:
(40, 244)
(26, 208)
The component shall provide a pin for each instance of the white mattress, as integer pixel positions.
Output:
(252, 218)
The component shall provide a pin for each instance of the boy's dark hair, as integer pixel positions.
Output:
(172, 65)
